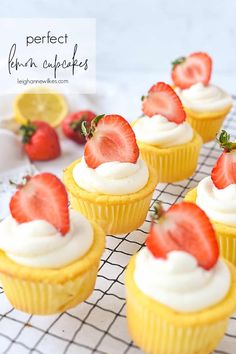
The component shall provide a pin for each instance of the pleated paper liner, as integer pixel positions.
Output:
(226, 235)
(208, 124)
(49, 291)
(174, 163)
(157, 329)
(116, 214)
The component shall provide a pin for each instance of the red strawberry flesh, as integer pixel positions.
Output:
(224, 172)
(43, 144)
(184, 227)
(112, 140)
(43, 197)
(195, 68)
(163, 100)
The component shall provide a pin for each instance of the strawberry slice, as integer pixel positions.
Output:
(187, 71)
(224, 172)
(162, 99)
(110, 138)
(184, 227)
(42, 197)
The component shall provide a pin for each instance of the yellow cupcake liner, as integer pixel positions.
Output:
(116, 214)
(157, 329)
(174, 163)
(226, 235)
(49, 291)
(207, 125)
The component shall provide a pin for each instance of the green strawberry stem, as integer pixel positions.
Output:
(143, 98)
(178, 61)
(224, 141)
(83, 129)
(76, 124)
(158, 211)
(27, 130)
(88, 133)
(25, 179)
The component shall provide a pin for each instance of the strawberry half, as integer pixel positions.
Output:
(187, 71)
(224, 171)
(184, 227)
(42, 197)
(110, 138)
(162, 99)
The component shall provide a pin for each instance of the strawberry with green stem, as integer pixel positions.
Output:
(184, 227)
(40, 140)
(224, 171)
(41, 197)
(187, 71)
(109, 138)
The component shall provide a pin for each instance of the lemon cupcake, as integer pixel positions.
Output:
(49, 255)
(166, 141)
(216, 195)
(180, 295)
(111, 184)
(206, 105)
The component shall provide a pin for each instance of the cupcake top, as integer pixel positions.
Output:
(164, 121)
(216, 194)
(41, 232)
(111, 163)
(180, 267)
(191, 75)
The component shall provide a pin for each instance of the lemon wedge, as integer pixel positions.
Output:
(40, 104)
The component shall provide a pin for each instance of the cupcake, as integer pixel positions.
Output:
(206, 105)
(216, 195)
(180, 295)
(49, 255)
(111, 184)
(166, 141)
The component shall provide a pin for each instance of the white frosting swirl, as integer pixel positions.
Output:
(201, 98)
(114, 178)
(218, 204)
(178, 282)
(38, 244)
(158, 131)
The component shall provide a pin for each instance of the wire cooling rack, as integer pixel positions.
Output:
(99, 324)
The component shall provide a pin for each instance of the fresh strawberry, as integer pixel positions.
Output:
(224, 171)
(187, 71)
(162, 99)
(110, 138)
(42, 197)
(71, 125)
(184, 227)
(40, 141)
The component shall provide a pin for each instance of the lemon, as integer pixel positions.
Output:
(40, 104)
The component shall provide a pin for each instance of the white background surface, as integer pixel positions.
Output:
(146, 35)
